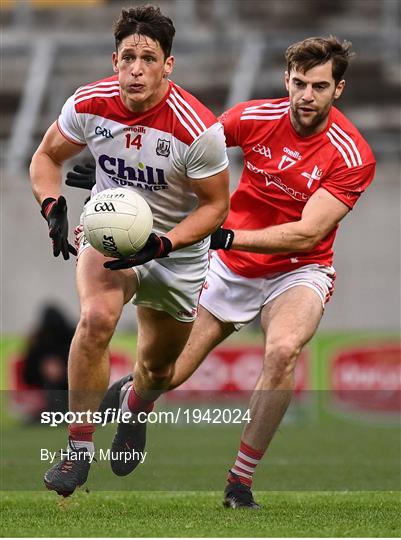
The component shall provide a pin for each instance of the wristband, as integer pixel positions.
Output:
(165, 247)
(47, 205)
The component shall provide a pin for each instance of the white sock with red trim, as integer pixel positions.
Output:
(245, 464)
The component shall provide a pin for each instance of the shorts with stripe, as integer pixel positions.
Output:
(238, 299)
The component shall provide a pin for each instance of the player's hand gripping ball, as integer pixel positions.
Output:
(117, 222)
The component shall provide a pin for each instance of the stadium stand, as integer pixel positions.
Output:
(43, 44)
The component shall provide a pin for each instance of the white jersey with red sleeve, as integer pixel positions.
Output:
(281, 172)
(156, 152)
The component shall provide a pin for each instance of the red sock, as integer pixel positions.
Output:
(81, 432)
(137, 404)
(245, 464)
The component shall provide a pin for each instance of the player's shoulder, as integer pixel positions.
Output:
(91, 96)
(350, 145)
(192, 118)
(263, 109)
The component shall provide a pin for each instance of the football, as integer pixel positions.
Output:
(117, 222)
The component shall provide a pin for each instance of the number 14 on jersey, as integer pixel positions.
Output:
(133, 140)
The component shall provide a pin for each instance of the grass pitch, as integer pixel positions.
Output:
(200, 514)
(352, 467)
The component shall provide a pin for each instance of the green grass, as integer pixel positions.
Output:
(332, 459)
(326, 477)
(197, 514)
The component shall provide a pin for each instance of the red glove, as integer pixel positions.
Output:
(55, 213)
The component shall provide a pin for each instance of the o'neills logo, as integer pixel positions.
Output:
(368, 379)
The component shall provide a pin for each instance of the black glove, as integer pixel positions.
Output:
(222, 239)
(82, 176)
(156, 247)
(55, 213)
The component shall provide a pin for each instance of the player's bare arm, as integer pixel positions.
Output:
(321, 214)
(213, 196)
(45, 169)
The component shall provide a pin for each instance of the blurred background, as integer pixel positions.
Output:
(226, 51)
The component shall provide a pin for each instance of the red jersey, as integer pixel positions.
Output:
(281, 172)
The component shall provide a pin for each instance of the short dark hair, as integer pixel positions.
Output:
(146, 21)
(314, 51)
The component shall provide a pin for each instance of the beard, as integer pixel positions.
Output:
(308, 124)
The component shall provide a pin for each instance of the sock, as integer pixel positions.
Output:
(245, 464)
(81, 436)
(132, 402)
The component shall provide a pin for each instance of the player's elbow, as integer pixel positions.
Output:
(308, 241)
(32, 165)
(218, 212)
(223, 211)
(41, 160)
(35, 168)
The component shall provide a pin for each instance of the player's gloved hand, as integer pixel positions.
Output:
(156, 247)
(55, 213)
(222, 239)
(82, 176)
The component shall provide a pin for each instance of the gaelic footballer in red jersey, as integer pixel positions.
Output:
(282, 170)
(146, 134)
(305, 166)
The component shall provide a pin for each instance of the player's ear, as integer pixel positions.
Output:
(168, 66)
(114, 60)
(339, 89)
(287, 80)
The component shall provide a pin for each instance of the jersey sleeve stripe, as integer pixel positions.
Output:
(267, 111)
(92, 86)
(339, 147)
(352, 143)
(96, 94)
(98, 83)
(180, 118)
(270, 117)
(268, 106)
(185, 103)
(67, 137)
(186, 114)
(86, 91)
(345, 146)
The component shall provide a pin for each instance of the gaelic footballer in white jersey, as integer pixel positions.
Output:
(154, 152)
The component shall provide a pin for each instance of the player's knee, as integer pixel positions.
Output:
(280, 360)
(97, 323)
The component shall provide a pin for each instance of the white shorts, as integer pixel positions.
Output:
(238, 299)
(172, 284)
